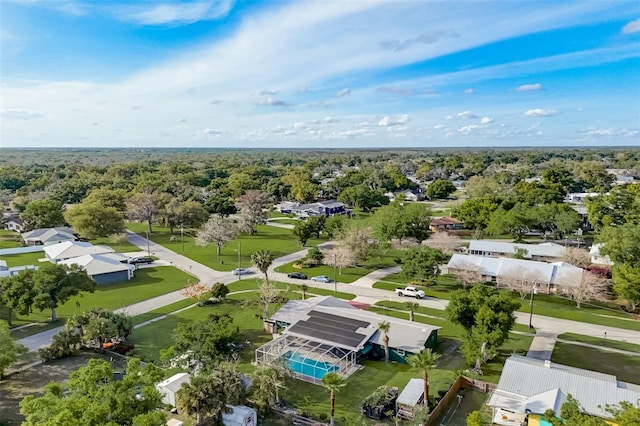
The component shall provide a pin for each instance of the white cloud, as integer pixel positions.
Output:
(20, 114)
(328, 119)
(611, 132)
(486, 120)
(529, 87)
(269, 92)
(394, 121)
(464, 114)
(467, 129)
(212, 132)
(181, 120)
(270, 101)
(539, 112)
(343, 92)
(172, 13)
(469, 92)
(632, 27)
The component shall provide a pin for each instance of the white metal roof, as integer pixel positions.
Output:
(559, 273)
(69, 249)
(97, 264)
(412, 392)
(544, 249)
(174, 383)
(49, 234)
(540, 385)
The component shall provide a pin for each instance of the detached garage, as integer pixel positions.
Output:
(170, 387)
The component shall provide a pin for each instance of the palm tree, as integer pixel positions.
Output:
(333, 382)
(425, 360)
(412, 306)
(304, 289)
(194, 397)
(262, 259)
(384, 326)
(266, 382)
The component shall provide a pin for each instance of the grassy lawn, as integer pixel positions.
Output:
(625, 346)
(9, 239)
(625, 367)
(123, 247)
(148, 283)
(279, 241)
(547, 305)
(23, 259)
(348, 275)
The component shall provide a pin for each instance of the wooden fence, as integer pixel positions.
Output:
(461, 382)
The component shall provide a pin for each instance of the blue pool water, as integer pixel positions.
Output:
(308, 367)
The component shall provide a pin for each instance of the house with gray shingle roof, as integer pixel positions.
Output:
(103, 269)
(529, 387)
(48, 236)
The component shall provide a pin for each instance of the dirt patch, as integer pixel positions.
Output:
(31, 381)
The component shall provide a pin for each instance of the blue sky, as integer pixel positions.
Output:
(308, 74)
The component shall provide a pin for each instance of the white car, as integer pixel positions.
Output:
(242, 271)
(321, 279)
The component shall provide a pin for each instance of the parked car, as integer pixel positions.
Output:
(321, 279)
(298, 275)
(242, 271)
(139, 260)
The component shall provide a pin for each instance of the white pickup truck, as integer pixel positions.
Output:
(410, 292)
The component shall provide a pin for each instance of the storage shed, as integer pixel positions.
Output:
(170, 387)
(241, 415)
(411, 395)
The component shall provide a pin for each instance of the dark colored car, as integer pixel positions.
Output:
(139, 260)
(298, 275)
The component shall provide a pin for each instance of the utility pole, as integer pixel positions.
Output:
(335, 281)
(148, 247)
(239, 271)
(182, 236)
(533, 291)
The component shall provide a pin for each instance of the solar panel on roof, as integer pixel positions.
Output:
(331, 328)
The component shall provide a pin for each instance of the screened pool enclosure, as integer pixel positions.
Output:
(307, 359)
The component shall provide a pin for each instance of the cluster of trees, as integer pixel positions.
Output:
(47, 287)
(93, 396)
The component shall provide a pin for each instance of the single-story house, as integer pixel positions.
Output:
(445, 223)
(544, 251)
(547, 386)
(325, 334)
(406, 195)
(597, 257)
(6, 271)
(14, 223)
(48, 236)
(320, 208)
(579, 197)
(492, 269)
(170, 387)
(102, 268)
(70, 249)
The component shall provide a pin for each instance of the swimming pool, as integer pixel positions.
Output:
(307, 366)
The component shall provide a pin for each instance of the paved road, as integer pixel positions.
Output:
(546, 327)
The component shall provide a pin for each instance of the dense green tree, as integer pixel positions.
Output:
(191, 214)
(333, 382)
(558, 174)
(440, 188)
(209, 395)
(316, 224)
(303, 232)
(556, 220)
(422, 264)
(64, 343)
(266, 382)
(619, 206)
(424, 360)
(18, 292)
(363, 197)
(626, 414)
(571, 414)
(621, 243)
(476, 212)
(9, 348)
(43, 213)
(94, 397)
(593, 176)
(92, 220)
(486, 315)
(626, 283)
(206, 341)
(516, 221)
(116, 198)
(57, 283)
(221, 203)
(536, 193)
(334, 225)
(402, 221)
